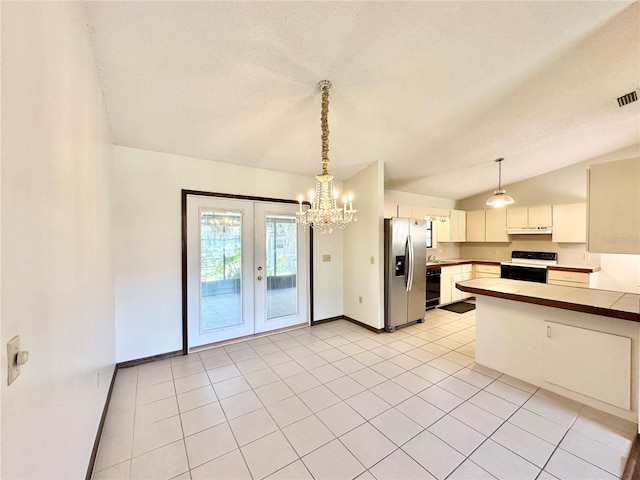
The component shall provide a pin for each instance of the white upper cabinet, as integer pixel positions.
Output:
(517, 217)
(476, 226)
(614, 207)
(454, 228)
(540, 216)
(496, 225)
(570, 223)
(390, 210)
(530, 217)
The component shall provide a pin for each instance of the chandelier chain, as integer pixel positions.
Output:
(324, 123)
(325, 215)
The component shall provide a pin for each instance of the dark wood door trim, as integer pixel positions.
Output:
(185, 340)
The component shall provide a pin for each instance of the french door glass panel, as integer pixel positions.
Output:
(246, 268)
(219, 269)
(281, 252)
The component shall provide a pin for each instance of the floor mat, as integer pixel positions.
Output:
(459, 307)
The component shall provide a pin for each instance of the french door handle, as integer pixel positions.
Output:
(259, 269)
(259, 277)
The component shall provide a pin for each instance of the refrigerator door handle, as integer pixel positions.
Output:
(410, 268)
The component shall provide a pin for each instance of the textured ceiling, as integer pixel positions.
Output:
(435, 90)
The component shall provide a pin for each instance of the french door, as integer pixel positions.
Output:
(247, 268)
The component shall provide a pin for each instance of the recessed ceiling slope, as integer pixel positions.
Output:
(436, 90)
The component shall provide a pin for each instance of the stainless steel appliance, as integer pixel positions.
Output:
(433, 287)
(404, 271)
(528, 266)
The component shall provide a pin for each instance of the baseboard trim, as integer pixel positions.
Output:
(96, 442)
(632, 467)
(368, 327)
(327, 320)
(349, 319)
(153, 358)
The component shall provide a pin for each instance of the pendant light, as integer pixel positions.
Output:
(325, 215)
(499, 197)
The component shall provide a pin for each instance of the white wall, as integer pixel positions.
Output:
(147, 241)
(406, 198)
(565, 185)
(57, 277)
(619, 272)
(363, 240)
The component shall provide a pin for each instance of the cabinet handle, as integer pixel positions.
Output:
(548, 332)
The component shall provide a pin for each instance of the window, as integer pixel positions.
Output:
(429, 233)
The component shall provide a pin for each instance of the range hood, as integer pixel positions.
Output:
(529, 231)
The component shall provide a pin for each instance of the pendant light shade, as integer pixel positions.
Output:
(499, 197)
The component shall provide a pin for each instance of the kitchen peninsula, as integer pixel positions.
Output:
(580, 343)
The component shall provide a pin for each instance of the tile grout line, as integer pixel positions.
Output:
(341, 333)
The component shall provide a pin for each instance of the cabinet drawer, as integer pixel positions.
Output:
(453, 270)
(493, 269)
(466, 268)
(573, 277)
(486, 275)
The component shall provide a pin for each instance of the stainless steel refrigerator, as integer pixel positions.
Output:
(404, 271)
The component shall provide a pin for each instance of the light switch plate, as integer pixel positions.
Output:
(13, 369)
(326, 258)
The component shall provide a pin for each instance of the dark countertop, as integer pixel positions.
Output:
(459, 261)
(607, 303)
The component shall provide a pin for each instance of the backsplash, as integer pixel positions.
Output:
(444, 251)
(568, 253)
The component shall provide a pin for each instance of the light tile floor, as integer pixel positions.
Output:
(337, 401)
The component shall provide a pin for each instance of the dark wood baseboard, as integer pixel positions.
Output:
(632, 467)
(326, 320)
(153, 358)
(349, 319)
(368, 327)
(96, 442)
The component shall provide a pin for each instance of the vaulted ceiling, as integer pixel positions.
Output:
(436, 90)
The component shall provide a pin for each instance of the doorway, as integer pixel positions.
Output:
(247, 268)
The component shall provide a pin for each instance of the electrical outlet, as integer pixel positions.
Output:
(587, 256)
(360, 299)
(373, 260)
(326, 258)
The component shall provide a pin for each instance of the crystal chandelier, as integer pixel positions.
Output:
(499, 197)
(325, 215)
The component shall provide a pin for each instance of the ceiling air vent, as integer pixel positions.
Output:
(628, 98)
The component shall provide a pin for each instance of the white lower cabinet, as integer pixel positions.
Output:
(572, 279)
(588, 358)
(592, 363)
(486, 271)
(448, 279)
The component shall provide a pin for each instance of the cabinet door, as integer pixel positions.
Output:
(419, 212)
(614, 207)
(496, 225)
(476, 226)
(570, 223)
(606, 358)
(445, 289)
(517, 217)
(405, 211)
(443, 231)
(461, 221)
(540, 216)
(390, 210)
(456, 295)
